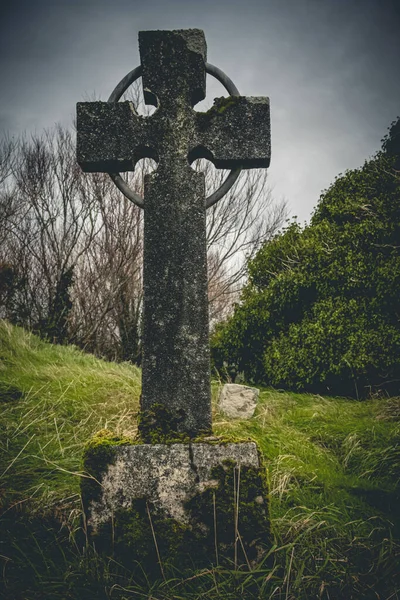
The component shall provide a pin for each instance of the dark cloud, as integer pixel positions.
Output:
(331, 69)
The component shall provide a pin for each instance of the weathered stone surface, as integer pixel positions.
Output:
(235, 132)
(238, 401)
(176, 362)
(222, 138)
(171, 60)
(112, 137)
(189, 491)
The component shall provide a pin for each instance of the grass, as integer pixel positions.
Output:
(333, 471)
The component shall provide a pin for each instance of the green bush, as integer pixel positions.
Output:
(321, 308)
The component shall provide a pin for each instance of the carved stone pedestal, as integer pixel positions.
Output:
(189, 504)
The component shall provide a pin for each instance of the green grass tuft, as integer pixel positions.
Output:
(65, 397)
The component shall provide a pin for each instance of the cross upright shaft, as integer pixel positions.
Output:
(112, 137)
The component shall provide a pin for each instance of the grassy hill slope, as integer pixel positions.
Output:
(333, 468)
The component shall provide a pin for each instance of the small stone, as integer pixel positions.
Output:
(238, 401)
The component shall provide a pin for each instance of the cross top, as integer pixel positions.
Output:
(173, 66)
(234, 133)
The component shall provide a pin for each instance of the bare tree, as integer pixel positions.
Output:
(54, 225)
(236, 227)
(108, 287)
(8, 204)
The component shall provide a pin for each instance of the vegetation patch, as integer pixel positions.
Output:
(320, 310)
(223, 103)
(332, 465)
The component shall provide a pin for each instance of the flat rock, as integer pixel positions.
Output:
(238, 401)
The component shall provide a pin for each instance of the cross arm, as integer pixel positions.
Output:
(235, 132)
(111, 137)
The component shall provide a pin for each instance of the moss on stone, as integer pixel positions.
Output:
(98, 454)
(222, 440)
(219, 108)
(159, 425)
(216, 507)
(223, 103)
(132, 535)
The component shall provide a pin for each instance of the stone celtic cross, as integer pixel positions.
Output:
(113, 137)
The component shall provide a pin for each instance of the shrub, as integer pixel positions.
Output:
(320, 311)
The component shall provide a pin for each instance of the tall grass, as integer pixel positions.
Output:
(333, 468)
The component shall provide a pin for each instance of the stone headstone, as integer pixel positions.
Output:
(159, 494)
(176, 361)
(238, 401)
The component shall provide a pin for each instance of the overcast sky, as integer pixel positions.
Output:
(330, 67)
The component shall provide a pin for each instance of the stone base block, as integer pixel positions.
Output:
(191, 504)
